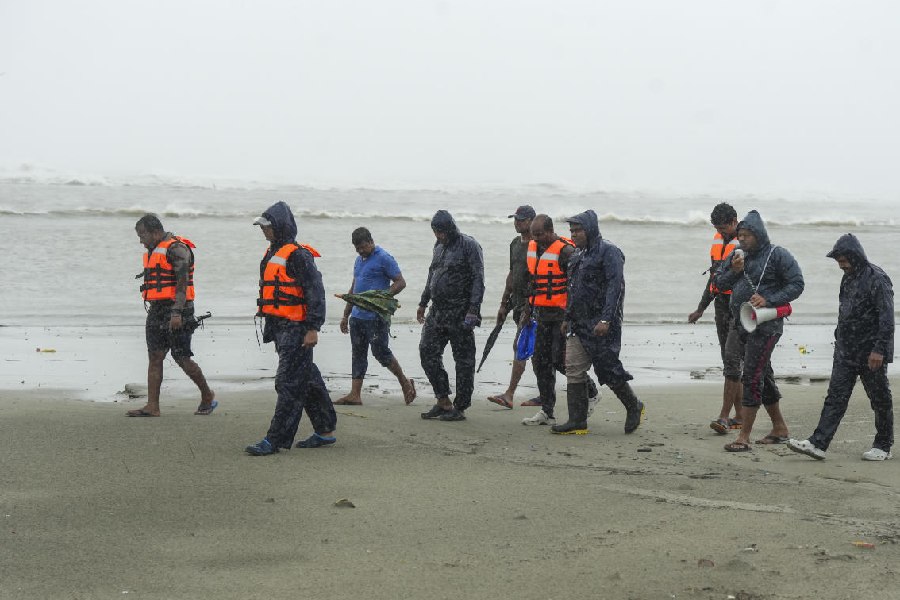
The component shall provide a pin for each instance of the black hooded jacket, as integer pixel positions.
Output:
(300, 265)
(866, 312)
(596, 283)
(455, 283)
(769, 270)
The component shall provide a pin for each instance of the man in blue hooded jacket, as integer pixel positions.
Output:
(863, 347)
(455, 289)
(292, 303)
(763, 275)
(594, 315)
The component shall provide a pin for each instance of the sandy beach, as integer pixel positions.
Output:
(96, 505)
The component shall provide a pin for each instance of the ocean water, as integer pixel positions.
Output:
(70, 252)
(70, 255)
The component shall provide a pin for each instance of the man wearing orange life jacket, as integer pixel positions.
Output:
(292, 304)
(548, 261)
(724, 219)
(168, 290)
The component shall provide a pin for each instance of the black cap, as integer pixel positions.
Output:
(523, 212)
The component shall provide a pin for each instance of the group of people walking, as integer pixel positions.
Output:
(572, 287)
(748, 272)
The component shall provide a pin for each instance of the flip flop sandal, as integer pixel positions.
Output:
(734, 424)
(139, 412)
(737, 447)
(501, 401)
(772, 440)
(343, 402)
(205, 411)
(720, 426)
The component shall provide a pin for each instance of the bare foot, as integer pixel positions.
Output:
(409, 391)
(143, 412)
(349, 399)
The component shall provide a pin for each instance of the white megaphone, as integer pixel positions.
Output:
(752, 317)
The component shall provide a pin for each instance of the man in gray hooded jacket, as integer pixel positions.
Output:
(863, 347)
(594, 314)
(764, 275)
(455, 290)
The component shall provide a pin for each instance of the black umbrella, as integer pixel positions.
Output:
(492, 339)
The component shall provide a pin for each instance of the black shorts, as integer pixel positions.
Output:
(160, 338)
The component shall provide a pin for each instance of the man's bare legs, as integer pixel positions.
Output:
(731, 398)
(193, 370)
(406, 384)
(506, 398)
(154, 383)
(355, 395)
(779, 426)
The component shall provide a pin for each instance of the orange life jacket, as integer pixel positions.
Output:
(159, 276)
(279, 294)
(548, 281)
(718, 252)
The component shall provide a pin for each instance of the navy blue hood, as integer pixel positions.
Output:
(755, 224)
(283, 224)
(588, 222)
(850, 248)
(443, 222)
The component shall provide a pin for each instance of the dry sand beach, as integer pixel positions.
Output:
(95, 505)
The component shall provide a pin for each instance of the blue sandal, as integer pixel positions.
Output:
(316, 441)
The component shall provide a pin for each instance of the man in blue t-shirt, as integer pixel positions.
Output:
(374, 269)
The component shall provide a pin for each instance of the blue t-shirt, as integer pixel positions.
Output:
(373, 273)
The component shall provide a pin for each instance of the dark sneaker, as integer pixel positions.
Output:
(453, 415)
(316, 441)
(436, 411)
(261, 448)
(570, 428)
(634, 417)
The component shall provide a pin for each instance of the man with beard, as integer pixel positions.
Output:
(594, 315)
(514, 298)
(863, 347)
(763, 275)
(455, 289)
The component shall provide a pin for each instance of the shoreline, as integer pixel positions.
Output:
(101, 363)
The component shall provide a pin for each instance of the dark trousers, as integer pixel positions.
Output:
(431, 351)
(299, 386)
(758, 377)
(548, 358)
(730, 344)
(878, 389)
(366, 333)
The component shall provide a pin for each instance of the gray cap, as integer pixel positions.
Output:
(262, 222)
(523, 213)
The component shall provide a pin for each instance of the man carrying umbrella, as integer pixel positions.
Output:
(515, 300)
(367, 314)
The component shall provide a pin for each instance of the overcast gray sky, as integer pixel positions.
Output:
(653, 94)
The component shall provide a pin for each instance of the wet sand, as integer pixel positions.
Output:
(97, 505)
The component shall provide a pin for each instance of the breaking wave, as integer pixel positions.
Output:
(35, 191)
